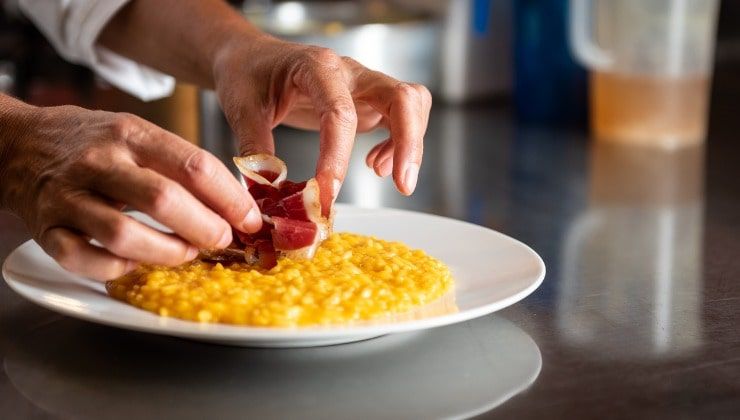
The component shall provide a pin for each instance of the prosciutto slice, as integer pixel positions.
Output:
(293, 223)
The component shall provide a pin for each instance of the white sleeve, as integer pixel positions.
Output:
(73, 26)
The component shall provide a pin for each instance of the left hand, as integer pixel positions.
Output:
(262, 82)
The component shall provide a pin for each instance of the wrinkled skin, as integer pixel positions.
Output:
(266, 83)
(67, 171)
(70, 171)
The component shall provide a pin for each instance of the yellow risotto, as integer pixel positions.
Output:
(351, 278)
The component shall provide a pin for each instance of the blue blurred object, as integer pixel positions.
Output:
(549, 86)
(481, 16)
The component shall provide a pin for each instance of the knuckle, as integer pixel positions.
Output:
(161, 197)
(236, 209)
(64, 197)
(324, 56)
(93, 162)
(344, 113)
(91, 159)
(65, 252)
(123, 124)
(406, 91)
(117, 235)
(350, 62)
(199, 165)
(425, 94)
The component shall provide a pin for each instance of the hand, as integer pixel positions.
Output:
(70, 171)
(262, 82)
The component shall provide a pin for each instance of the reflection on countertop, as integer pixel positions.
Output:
(76, 370)
(633, 256)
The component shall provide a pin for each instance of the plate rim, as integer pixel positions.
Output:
(227, 332)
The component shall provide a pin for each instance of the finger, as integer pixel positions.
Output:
(385, 167)
(407, 132)
(203, 175)
(166, 201)
(303, 117)
(253, 129)
(380, 156)
(373, 153)
(406, 107)
(368, 118)
(325, 83)
(126, 237)
(251, 120)
(383, 164)
(77, 255)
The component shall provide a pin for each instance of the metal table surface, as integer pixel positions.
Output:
(638, 315)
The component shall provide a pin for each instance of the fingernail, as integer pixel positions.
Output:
(252, 220)
(386, 167)
(224, 241)
(410, 177)
(192, 253)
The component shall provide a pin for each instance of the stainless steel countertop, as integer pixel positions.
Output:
(638, 316)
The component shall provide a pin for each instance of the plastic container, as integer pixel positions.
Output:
(651, 67)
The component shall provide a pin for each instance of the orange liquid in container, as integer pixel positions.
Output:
(655, 111)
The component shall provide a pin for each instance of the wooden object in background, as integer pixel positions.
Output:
(177, 113)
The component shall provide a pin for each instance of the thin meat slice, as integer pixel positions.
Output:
(293, 223)
(262, 169)
(265, 253)
(291, 234)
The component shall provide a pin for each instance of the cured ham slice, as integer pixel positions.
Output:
(291, 234)
(293, 223)
(262, 169)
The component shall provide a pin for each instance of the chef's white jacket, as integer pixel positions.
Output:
(73, 26)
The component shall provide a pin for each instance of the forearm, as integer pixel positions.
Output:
(178, 37)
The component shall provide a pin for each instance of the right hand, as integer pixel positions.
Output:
(69, 172)
(262, 82)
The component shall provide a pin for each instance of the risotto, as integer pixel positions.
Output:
(351, 278)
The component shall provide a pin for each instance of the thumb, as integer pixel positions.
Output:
(253, 129)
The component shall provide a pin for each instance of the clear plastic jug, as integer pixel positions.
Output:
(651, 66)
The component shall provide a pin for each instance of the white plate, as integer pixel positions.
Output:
(491, 271)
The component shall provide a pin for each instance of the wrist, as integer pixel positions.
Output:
(16, 118)
(235, 41)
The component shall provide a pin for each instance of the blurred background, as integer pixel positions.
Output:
(550, 62)
(603, 133)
